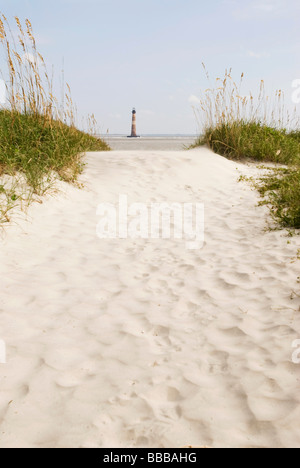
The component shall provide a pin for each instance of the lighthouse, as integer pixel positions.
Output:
(133, 126)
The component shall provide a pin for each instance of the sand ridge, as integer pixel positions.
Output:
(143, 343)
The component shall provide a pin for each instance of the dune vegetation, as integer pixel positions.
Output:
(257, 128)
(39, 141)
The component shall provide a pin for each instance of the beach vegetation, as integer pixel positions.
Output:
(255, 127)
(39, 139)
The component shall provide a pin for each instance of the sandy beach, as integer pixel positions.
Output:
(142, 342)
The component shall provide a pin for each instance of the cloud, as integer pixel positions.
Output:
(255, 9)
(269, 5)
(257, 55)
(193, 99)
(29, 58)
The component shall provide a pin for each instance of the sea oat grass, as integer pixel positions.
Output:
(254, 140)
(38, 136)
(281, 191)
(244, 127)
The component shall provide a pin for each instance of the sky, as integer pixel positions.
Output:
(148, 54)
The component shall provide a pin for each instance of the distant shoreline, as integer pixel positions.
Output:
(150, 142)
(163, 136)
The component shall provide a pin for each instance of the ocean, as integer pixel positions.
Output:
(150, 142)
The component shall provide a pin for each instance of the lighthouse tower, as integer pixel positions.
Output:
(133, 126)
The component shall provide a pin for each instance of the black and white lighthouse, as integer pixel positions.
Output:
(133, 125)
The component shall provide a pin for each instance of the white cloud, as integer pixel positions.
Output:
(257, 55)
(193, 99)
(268, 5)
(253, 9)
(29, 57)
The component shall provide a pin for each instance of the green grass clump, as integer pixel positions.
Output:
(254, 140)
(38, 136)
(241, 127)
(35, 146)
(282, 189)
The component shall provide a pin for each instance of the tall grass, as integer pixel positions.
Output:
(258, 127)
(38, 135)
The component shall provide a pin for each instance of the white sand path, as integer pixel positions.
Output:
(143, 343)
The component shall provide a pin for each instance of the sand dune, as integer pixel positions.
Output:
(143, 343)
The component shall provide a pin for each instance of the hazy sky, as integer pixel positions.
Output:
(148, 53)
